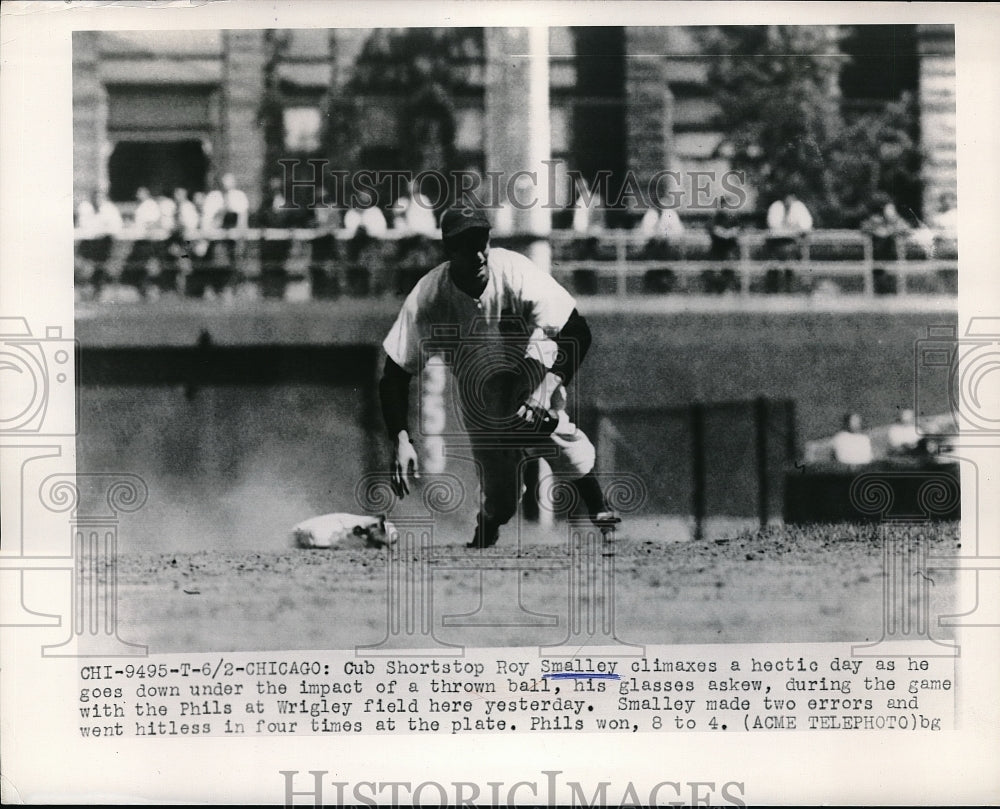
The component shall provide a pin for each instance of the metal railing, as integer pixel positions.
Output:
(614, 262)
(617, 255)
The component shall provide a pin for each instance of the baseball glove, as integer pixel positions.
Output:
(535, 420)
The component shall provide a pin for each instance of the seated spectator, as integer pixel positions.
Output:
(274, 214)
(324, 255)
(587, 224)
(179, 248)
(723, 233)
(946, 217)
(662, 227)
(369, 221)
(588, 211)
(226, 208)
(944, 241)
(850, 445)
(363, 227)
(168, 274)
(887, 228)
(99, 222)
(903, 438)
(415, 215)
(148, 242)
(788, 222)
(188, 217)
(200, 247)
(417, 224)
(146, 218)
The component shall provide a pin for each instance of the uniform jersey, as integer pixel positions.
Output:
(484, 340)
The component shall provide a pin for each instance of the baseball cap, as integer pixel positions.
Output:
(459, 220)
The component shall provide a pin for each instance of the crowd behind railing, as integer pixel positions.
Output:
(212, 246)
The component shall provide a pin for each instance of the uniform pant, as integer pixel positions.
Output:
(500, 461)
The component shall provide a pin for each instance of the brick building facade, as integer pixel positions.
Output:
(175, 108)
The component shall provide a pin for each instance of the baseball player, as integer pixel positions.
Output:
(516, 340)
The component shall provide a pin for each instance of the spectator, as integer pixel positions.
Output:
(324, 255)
(887, 228)
(99, 223)
(226, 208)
(723, 233)
(367, 221)
(179, 247)
(851, 446)
(416, 251)
(148, 241)
(188, 216)
(946, 217)
(788, 222)
(200, 247)
(415, 214)
(274, 214)
(146, 218)
(944, 241)
(364, 227)
(198, 199)
(587, 223)
(903, 438)
(662, 228)
(168, 274)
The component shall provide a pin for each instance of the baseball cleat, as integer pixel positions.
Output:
(606, 522)
(479, 541)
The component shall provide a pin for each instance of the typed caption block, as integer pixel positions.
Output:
(721, 689)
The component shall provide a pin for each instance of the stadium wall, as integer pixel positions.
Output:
(237, 461)
(827, 362)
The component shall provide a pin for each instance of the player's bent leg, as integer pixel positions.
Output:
(574, 462)
(501, 491)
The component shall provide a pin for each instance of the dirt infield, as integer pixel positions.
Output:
(810, 584)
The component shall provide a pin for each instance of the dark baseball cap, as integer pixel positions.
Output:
(459, 220)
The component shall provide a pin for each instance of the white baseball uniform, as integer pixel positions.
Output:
(484, 340)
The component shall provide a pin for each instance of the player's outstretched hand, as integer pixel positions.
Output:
(404, 464)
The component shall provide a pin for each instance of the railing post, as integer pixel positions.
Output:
(869, 271)
(804, 258)
(744, 266)
(621, 248)
(901, 264)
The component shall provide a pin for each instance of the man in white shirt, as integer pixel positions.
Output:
(226, 208)
(417, 224)
(903, 437)
(98, 222)
(788, 222)
(415, 214)
(146, 218)
(662, 227)
(369, 219)
(514, 339)
(146, 256)
(851, 446)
